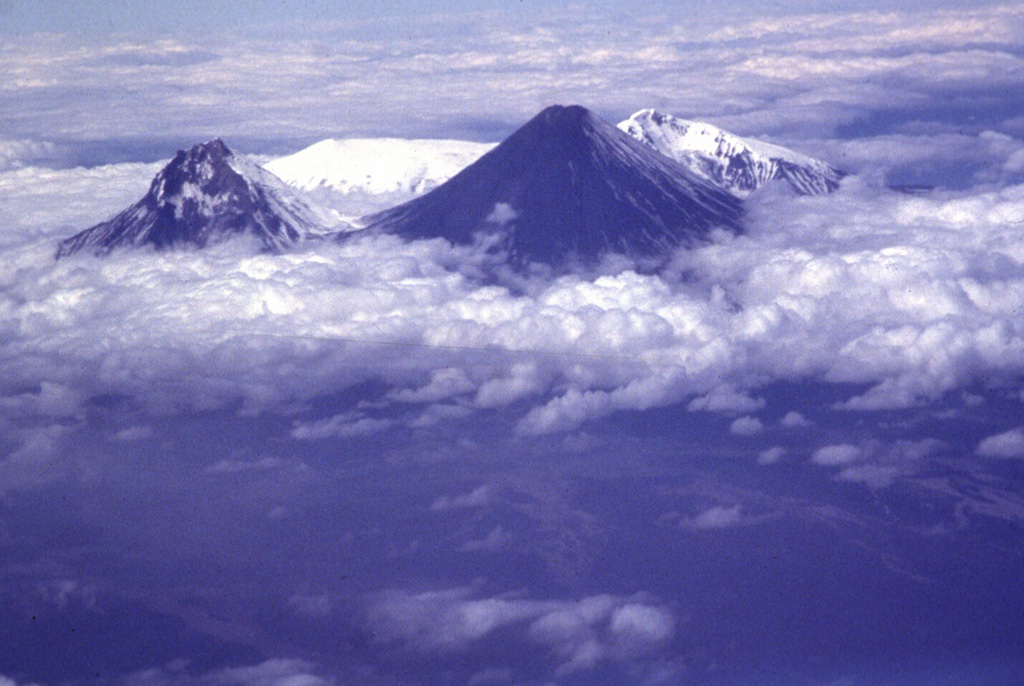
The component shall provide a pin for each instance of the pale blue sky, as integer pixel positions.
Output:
(173, 17)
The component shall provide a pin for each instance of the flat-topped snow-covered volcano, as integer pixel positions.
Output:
(739, 165)
(203, 196)
(568, 185)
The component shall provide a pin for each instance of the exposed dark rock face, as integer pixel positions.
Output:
(203, 196)
(569, 186)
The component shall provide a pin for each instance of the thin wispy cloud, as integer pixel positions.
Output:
(785, 77)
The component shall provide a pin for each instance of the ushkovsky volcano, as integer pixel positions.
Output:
(738, 165)
(569, 186)
(203, 196)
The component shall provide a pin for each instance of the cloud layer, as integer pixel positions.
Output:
(476, 75)
(912, 297)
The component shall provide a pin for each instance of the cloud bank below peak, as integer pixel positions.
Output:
(912, 297)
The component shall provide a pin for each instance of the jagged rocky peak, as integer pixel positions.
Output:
(206, 195)
(567, 186)
(739, 165)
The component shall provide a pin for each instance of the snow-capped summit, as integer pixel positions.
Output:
(567, 185)
(739, 165)
(205, 195)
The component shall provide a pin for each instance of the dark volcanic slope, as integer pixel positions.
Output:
(569, 185)
(203, 196)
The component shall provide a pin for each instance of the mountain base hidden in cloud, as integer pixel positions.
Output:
(203, 196)
(569, 186)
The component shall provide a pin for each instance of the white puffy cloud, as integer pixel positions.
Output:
(42, 203)
(873, 475)
(987, 157)
(746, 426)
(62, 593)
(8, 681)
(794, 419)
(912, 296)
(51, 400)
(345, 425)
(835, 455)
(15, 154)
(726, 398)
(133, 433)
(875, 464)
(770, 456)
(1009, 444)
(272, 672)
(580, 633)
(478, 497)
(449, 620)
(716, 517)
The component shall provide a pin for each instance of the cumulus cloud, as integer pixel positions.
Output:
(40, 203)
(580, 633)
(8, 681)
(912, 297)
(15, 154)
(875, 464)
(345, 425)
(478, 497)
(746, 426)
(1009, 444)
(794, 419)
(872, 475)
(717, 517)
(226, 466)
(276, 672)
(64, 593)
(272, 672)
(770, 456)
(133, 433)
(726, 398)
(835, 455)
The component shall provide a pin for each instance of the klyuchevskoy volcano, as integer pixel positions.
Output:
(203, 196)
(569, 186)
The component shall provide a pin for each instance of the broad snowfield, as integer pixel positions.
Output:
(360, 176)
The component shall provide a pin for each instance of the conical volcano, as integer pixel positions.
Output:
(203, 196)
(567, 186)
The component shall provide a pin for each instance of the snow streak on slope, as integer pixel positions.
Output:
(739, 165)
(361, 175)
(206, 195)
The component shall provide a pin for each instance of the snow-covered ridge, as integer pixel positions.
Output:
(377, 165)
(739, 165)
(206, 195)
